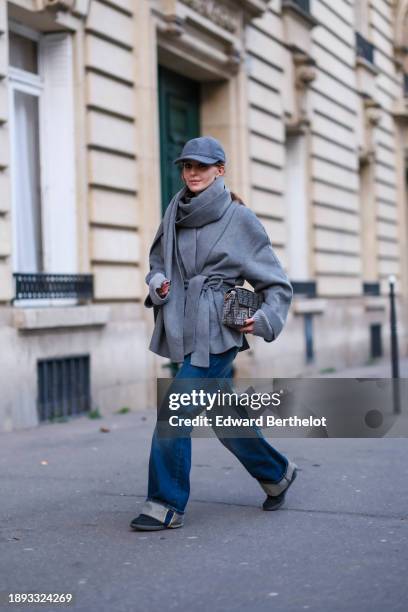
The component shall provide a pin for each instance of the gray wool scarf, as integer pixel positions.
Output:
(206, 207)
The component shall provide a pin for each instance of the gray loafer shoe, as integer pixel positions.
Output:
(155, 517)
(276, 501)
(148, 523)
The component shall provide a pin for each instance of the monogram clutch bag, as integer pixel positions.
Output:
(239, 304)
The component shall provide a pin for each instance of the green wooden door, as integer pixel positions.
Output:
(179, 104)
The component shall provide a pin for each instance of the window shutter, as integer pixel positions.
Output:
(58, 154)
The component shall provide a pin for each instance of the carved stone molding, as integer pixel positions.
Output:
(217, 12)
(76, 7)
(234, 59)
(298, 25)
(366, 156)
(225, 14)
(401, 35)
(57, 5)
(372, 117)
(305, 74)
(305, 70)
(173, 25)
(254, 8)
(208, 34)
(296, 126)
(372, 111)
(400, 111)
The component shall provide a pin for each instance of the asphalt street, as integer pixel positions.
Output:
(69, 491)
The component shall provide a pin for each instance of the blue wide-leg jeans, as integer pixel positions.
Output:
(170, 458)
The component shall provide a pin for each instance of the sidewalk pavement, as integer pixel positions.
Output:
(378, 369)
(69, 491)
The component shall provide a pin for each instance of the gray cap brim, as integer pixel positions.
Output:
(200, 158)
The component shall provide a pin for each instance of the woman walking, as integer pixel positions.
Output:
(208, 242)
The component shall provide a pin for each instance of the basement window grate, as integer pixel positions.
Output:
(63, 387)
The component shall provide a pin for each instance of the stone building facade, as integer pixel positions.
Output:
(96, 96)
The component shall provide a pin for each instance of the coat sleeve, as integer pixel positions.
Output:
(156, 276)
(263, 270)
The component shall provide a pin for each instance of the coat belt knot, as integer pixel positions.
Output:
(197, 309)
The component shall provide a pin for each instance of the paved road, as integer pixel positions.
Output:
(339, 544)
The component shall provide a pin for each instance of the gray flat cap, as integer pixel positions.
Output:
(204, 149)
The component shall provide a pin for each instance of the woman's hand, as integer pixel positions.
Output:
(164, 289)
(248, 328)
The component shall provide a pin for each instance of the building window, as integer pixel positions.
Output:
(372, 289)
(23, 52)
(309, 337)
(364, 48)
(25, 92)
(305, 288)
(303, 5)
(42, 152)
(376, 340)
(405, 85)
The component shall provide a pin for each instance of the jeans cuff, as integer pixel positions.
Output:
(159, 511)
(276, 488)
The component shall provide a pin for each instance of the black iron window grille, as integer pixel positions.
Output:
(364, 48)
(53, 286)
(371, 288)
(304, 5)
(307, 288)
(63, 387)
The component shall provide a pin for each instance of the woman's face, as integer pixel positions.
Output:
(198, 176)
